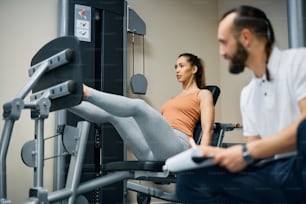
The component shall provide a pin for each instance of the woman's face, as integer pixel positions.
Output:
(184, 71)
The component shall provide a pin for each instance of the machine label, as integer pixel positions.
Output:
(82, 20)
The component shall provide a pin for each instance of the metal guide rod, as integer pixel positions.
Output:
(33, 80)
(4, 143)
(54, 61)
(38, 169)
(54, 92)
(76, 161)
(36, 71)
(90, 185)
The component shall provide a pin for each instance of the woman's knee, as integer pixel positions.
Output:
(140, 103)
(142, 107)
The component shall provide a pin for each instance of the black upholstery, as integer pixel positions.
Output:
(134, 165)
(72, 71)
(215, 91)
(197, 133)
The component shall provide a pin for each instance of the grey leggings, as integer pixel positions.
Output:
(145, 131)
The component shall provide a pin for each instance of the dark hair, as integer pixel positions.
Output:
(255, 20)
(200, 74)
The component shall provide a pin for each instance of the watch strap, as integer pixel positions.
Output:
(246, 155)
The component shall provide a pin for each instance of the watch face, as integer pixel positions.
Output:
(248, 158)
(246, 155)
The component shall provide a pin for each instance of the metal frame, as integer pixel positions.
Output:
(296, 23)
(40, 111)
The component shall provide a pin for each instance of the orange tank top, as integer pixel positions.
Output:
(183, 112)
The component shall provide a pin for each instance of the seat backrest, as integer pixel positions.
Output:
(215, 91)
(197, 133)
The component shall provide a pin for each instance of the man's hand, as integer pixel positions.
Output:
(230, 158)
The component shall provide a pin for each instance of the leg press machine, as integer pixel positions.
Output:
(56, 84)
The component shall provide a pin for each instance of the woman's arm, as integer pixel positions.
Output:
(207, 116)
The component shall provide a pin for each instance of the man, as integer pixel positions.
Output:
(273, 108)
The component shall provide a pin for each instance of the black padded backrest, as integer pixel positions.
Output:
(72, 71)
(215, 90)
(197, 133)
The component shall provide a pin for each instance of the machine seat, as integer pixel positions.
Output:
(155, 166)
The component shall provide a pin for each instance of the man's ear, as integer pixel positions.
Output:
(246, 37)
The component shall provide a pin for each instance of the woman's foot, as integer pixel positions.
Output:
(85, 92)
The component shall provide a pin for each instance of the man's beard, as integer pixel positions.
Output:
(238, 60)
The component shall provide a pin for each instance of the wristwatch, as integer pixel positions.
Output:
(246, 155)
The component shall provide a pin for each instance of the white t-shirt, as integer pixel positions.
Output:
(269, 106)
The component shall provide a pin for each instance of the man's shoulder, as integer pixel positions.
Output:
(281, 60)
(295, 52)
(249, 85)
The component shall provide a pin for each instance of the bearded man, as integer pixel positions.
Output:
(273, 108)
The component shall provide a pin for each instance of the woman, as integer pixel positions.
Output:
(149, 134)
